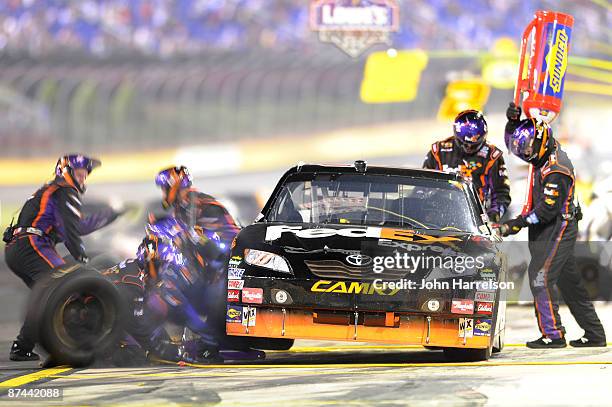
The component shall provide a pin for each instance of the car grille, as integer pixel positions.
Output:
(336, 269)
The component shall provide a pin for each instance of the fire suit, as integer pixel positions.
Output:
(200, 209)
(144, 328)
(553, 229)
(203, 210)
(50, 216)
(486, 169)
(176, 263)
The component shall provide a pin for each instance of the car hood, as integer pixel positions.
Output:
(358, 252)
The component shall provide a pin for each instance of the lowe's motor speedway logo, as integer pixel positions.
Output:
(354, 25)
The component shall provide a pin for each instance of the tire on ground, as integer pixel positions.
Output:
(49, 305)
(499, 342)
(467, 355)
(242, 342)
(272, 343)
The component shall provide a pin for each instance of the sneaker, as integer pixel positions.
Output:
(204, 356)
(585, 342)
(19, 354)
(547, 343)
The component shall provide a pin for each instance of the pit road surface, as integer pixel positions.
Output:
(326, 373)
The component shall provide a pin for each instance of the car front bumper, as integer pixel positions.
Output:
(387, 327)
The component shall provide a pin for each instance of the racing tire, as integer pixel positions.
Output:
(77, 316)
(103, 261)
(272, 343)
(498, 343)
(467, 355)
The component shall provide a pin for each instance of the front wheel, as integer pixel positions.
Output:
(467, 355)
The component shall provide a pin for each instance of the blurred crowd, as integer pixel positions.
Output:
(169, 27)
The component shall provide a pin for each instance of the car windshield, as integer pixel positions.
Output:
(373, 200)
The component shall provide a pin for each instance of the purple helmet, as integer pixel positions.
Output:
(530, 140)
(172, 180)
(67, 164)
(159, 247)
(470, 131)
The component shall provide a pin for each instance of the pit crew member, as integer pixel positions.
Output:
(468, 153)
(51, 215)
(552, 218)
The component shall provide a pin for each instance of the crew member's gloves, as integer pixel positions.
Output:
(513, 113)
(512, 227)
(494, 217)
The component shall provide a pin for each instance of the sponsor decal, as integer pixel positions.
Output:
(549, 201)
(234, 273)
(233, 295)
(433, 305)
(276, 231)
(235, 261)
(280, 296)
(532, 218)
(234, 314)
(484, 296)
(252, 295)
(354, 287)
(353, 26)
(484, 151)
(482, 327)
(412, 247)
(358, 260)
(488, 274)
(551, 192)
(249, 316)
(235, 284)
(460, 306)
(466, 327)
(484, 308)
(555, 61)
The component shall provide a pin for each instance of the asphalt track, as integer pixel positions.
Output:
(332, 373)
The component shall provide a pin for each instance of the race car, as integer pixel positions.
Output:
(370, 254)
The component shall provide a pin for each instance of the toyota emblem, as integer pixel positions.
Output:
(358, 260)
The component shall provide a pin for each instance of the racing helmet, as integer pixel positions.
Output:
(172, 180)
(531, 140)
(159, 245)
(65, 166)
(470, 130)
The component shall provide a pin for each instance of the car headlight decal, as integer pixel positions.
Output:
(266, 259)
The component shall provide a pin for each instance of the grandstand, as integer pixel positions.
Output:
(169, 27)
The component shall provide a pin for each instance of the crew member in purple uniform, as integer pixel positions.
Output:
(50, 216)
(468, 153)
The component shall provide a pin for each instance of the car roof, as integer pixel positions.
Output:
(377, 170)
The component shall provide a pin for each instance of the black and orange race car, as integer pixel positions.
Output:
(370, 254)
